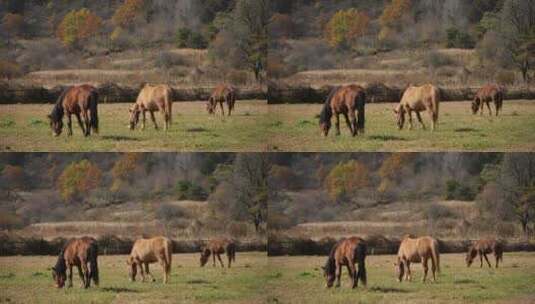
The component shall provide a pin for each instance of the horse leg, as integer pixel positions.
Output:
(497, 259)
(86, 274)
(148, 272)
(433, 119)
(353, 274)
(488, 106)
(70, 276)
(338, 274)
(87, 124)
(165, 120)
(213, 259)
(81, 275)
(434, 269)
(80, 122)
(408, 276)
(426, 268)
(153, 120)
(141, 271)
(163, 263)
(348, 123)
(420, 120)
(143, 119)
(337, 124)
(480, 259)
(410, 119)
(220, 261)
(486, 259)
(222, 108)
(69, 124)
(353, 120)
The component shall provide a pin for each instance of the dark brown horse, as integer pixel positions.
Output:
(485, 95)
(346, 252)
(79, 252)
(344, 100)
(216, 248)
(222, 94)
(482, 248)
(80, 101)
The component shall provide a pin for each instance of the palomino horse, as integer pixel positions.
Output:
(78, 100)
(344, 100)
(485, 95)
(346, 252)
(152, 99)
(482, 248)
(216, 248)
(77, 252)
(147, 251)
(418, 250)
(222, 93)
(418, 99)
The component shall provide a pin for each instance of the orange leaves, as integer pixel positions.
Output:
(13, 176)
(128, 12)
(78, 179)
(393, 17)
(12, 23)
(347, 178)
(78, 26)
(345, 27)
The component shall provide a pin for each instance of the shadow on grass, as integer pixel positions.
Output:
(196, 130)
(464, 281)
(120, 138)
(465, 130)
(386, 137)
(199, 281)
(7, 276)
(387, 289)
(118, 289)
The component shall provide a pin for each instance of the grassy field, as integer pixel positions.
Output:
(295, 128)
(299, 280)
(25, 128)
(28, 280)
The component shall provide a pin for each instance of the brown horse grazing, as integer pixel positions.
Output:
(77, 252)
(78, 100)
(485, 95)
(418, 250)
(152, 99)
(222, 93)
(216, 248)
(346, 252)
(418, 99)
(482, 248)
(344, 100)
(147, 251)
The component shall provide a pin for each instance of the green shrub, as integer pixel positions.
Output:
(458, 39)
(435, 60)
(436, 212)
(457, 191)
(186, 38)
(506, 77)
(190, 191)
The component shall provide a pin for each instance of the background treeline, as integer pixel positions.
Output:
(188, 195)
(128, 34)
(447, 194)
(348, 34)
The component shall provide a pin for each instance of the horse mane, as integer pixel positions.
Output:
(61, 266)
(330, 264)
(326, 111)
(58, 111)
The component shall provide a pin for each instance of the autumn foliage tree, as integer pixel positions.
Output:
(12, 178)
(78, 26)
(345, 27)
(395, 15)
(128, 13)
(125, 169)
(345, 179)
(392, 170)
(78, 179)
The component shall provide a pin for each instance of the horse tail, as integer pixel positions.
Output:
(361, 115)
(436, 104)
(231, 251)
(93, 108)
(360, 253)
(436, 255)
(168, 255)
(93, 263)
(232, 99)
(169, 106)
(499, 100)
